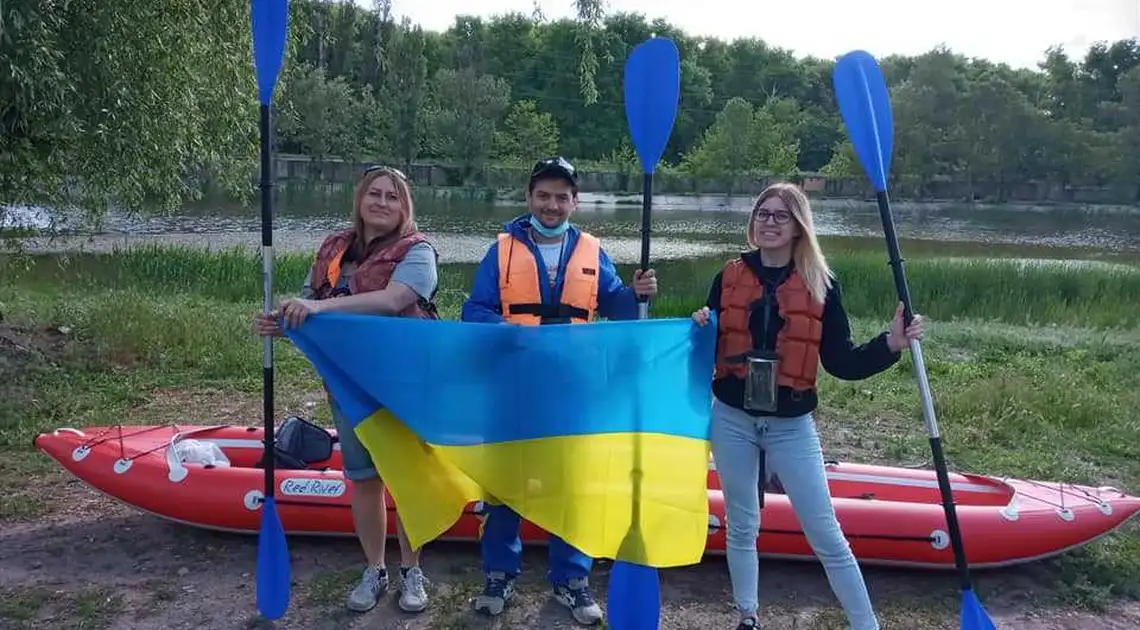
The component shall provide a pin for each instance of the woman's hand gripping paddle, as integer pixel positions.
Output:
(652, 93)
(269, 19)
(865, 107)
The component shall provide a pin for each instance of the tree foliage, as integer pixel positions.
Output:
(139, 102)
(125, 103)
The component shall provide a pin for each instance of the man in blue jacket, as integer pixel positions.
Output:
(542, 270)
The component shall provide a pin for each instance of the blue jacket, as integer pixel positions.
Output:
(615, 300)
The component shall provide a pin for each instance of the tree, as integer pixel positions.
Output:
(744, 141)
(590, 14)
(405, 90)
(465, 111)
(527, 134)
(130, 103)
(844, 164)
(327, 118)
(171, 104)
(726, 149)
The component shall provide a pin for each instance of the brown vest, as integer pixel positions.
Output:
(372, 273)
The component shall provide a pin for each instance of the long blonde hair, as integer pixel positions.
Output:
(809, 260)
(403, 191)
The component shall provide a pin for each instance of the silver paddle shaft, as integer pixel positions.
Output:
(924, 389)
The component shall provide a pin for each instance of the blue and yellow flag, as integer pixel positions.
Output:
(544, 419)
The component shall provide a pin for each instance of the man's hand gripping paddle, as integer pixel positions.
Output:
(269, 20)
(865, 107)
(652, 94)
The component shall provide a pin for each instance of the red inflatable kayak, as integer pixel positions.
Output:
(890, 515)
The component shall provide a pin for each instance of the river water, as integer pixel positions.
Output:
(683, 227)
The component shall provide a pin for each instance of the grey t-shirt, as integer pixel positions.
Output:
(417, 270)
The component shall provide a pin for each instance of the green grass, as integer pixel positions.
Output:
(1035, 369)
(942, 288)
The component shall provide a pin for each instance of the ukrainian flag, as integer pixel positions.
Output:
(544, 419)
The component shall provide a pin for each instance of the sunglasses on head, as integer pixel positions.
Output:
(387, 170)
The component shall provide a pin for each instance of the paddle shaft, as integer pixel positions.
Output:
(642, 313)
(646, 206)
(266, 186)
(924, 390)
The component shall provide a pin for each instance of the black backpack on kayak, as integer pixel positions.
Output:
(298, 443)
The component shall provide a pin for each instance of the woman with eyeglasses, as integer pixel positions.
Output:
(381, 265)
(779, 317)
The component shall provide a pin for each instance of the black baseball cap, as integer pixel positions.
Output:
(556, 166)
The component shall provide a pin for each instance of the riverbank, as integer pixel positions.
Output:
(493, 179)
(1035, 370)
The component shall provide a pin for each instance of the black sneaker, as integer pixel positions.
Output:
(576, 596)
(497, 590)
(748, 624)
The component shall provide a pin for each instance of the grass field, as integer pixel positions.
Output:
(1035, 369)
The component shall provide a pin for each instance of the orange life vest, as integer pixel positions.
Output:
(521, 295)
(797, 343)
(372, 273)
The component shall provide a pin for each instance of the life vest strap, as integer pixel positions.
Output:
(550, 311)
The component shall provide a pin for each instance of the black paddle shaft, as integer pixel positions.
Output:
(646, 205)
(896, 263)
(267, 184)
(634, 535)
(896, 260)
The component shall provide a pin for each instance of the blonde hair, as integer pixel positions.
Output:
(403, 191)
(809, 260)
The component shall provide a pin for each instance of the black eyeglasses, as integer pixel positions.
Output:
(557, 162)
(386, 169)
(780, 216)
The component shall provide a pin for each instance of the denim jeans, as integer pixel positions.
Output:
(502, 549)
(357, 460)
(792, 451)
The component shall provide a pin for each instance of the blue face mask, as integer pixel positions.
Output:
(549, 232)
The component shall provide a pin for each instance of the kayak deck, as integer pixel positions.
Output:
(890, 515)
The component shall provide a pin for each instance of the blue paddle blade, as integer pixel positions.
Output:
(652, 94)
(633, 598)
(270, 19)
(272, 564)
(974, 617)
(865, 107)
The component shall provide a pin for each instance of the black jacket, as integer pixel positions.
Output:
(838, 354)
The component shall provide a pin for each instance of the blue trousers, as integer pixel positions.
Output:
(502, 549)
(793, 453)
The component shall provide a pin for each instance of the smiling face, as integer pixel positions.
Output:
(773, 226)
(551, 201)
(382, 207)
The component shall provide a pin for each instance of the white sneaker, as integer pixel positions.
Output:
(372, 584)
(413, 594)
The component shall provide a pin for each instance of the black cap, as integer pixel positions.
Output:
(557, 166)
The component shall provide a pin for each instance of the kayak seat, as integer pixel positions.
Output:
(298, 444)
